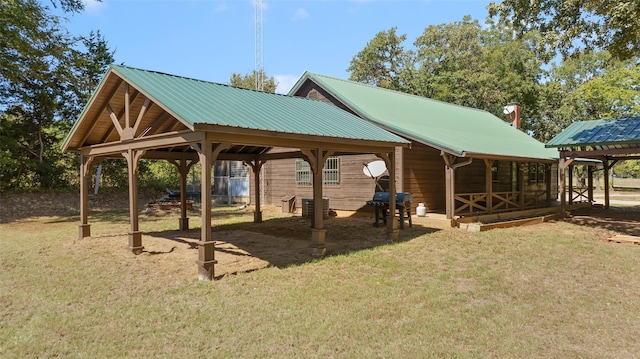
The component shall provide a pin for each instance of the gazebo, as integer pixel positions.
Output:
(140, 114)
(609, 141)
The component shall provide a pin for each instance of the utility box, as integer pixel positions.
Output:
(307, 208)
(289, 204)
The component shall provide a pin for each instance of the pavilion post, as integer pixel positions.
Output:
(256, 167)
(590, 184)
(316, 159)
(183, 166)
(450, 185)
(605, 166)
(84, 229)
(571, 184)
(135, 235)
(207, 152)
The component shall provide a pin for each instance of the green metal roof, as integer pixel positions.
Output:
(454, 129)
(200, 102)
(602, 134)
(196, 101)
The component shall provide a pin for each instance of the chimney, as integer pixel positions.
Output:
(512, 111)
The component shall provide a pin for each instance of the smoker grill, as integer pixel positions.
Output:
(380, 203)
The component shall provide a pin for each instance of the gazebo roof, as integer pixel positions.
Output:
(458, 130)
(163, 103)
(600, 137)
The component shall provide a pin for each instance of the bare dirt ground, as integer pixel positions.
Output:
(282, 240)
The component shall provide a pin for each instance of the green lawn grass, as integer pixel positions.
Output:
(555, 290)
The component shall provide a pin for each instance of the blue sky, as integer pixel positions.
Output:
(211, 39)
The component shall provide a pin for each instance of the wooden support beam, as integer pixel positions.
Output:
(135, 236)
(183, 167)
(488, 179)
(562, 168)
(114, 119)
(256, 168)
(145, 106)
(606, 166)
(316, 158)
(84, 229)
(208, 153)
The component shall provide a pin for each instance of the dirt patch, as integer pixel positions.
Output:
(619, 220)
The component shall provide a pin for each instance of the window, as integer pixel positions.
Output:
(330, 173)
(537, 172)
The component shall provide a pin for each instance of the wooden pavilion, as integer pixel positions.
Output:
(609, 141)
(139, 114)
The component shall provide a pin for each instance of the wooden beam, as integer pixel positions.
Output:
(596, 154)
(114, 119)
(148, 143)
(145, 106)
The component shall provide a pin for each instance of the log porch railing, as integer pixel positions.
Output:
(476, 203)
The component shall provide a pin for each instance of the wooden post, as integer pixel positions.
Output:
(571, 184)
(316, 159)
(183, 166)
(590, 183)
(563, 195)
(488, 178)
(135, 236)
(450, 180)
(605, 166)
(521, 169)
(84, 229)
(207, 152)
(393, 232)
(547, 180)
(256, 167)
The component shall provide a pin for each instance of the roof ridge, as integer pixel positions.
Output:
(393, 91)
(192, 79)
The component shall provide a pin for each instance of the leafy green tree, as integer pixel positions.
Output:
(586, 87)
(384, 62)
(38, 93)
(458, 62)
(248, 81)
(573, 26)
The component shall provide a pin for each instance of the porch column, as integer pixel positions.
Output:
(207, 153)
(488, 178)
(605, 166)
(393, 232)
(256, 167)
(590, 184)
(570, 184)
(521, 169)
(547, 180)
(135, 236)
(84, 229)
(563, 194)
(450, 191)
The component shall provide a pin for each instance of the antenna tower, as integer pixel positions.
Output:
(259, 39)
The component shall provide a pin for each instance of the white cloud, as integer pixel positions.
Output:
(300, 14)
(285, 83)
(92, 6)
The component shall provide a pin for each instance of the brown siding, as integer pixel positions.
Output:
(351, 194)
(423, 174)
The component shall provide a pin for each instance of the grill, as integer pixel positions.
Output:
(380, 203)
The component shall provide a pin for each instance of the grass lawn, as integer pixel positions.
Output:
(555, 290)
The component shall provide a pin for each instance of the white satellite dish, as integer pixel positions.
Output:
(374, 169)
(509, 109)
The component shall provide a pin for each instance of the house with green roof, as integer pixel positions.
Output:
(461, 161)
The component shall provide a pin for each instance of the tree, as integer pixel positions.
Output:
(38, 92)
(586, 87)
(458, 62)
(248, 81)
(383, 62)
(569, 27)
